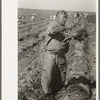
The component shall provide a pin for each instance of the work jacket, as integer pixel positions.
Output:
(55, 40)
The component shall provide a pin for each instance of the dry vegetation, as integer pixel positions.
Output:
(81, 57)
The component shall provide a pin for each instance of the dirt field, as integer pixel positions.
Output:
(81, 57)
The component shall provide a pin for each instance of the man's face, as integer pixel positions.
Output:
(62, 19)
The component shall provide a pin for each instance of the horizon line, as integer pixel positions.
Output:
(57, 10)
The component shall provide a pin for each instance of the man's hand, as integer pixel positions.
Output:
(70, 34)
(70, 25)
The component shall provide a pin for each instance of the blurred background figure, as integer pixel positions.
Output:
(52, 17)
(19, 19)
(23, 17)
(33, 18)
(23, 20)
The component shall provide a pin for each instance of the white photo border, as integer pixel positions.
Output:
(9, 82)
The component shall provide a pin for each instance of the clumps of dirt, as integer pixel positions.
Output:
(78, 92)
(29, 81)
(91, 19)
(82, 34)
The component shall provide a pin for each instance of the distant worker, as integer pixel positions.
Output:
(19, 20)
(19, 17)
(77, 17)
(80, 16)
(56, 45)
(33, 17)
(23, 17)
(52, 16)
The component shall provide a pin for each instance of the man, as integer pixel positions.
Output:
(56, 46)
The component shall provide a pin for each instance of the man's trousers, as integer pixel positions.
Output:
(53, 72)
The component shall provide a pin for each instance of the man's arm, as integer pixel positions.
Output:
(57, 29)
(68, 38)
(60, 29)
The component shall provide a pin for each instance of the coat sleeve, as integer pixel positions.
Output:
(54, 29)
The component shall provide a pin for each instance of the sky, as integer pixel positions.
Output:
(69, 5)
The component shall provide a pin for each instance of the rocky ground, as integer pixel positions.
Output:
(81, 59)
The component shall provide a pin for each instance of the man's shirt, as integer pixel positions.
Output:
(54, 41)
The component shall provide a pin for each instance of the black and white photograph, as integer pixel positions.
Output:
(56, 49)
